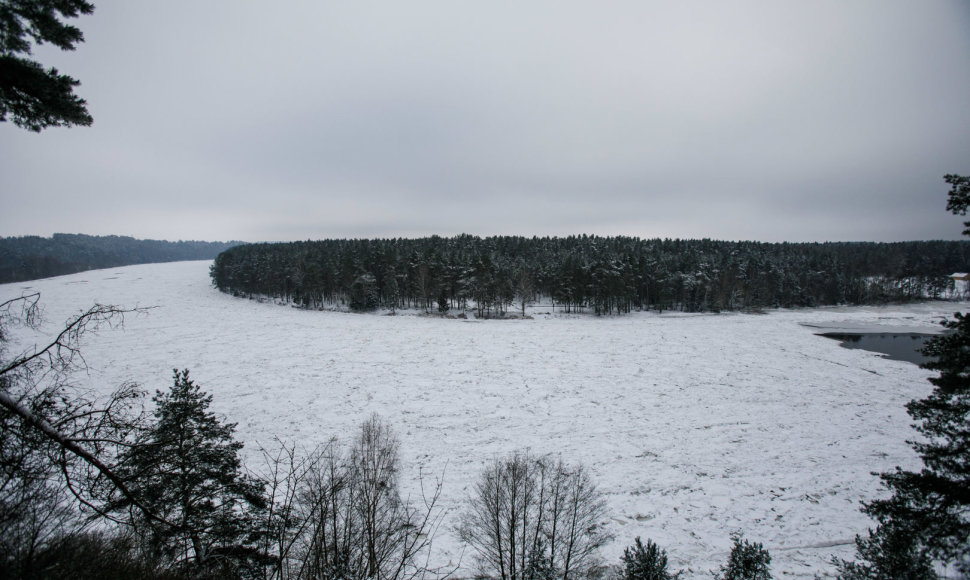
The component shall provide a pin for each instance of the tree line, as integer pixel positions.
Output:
(33, 257)
(603, 275)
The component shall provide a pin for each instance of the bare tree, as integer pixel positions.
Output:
(576, 511)
(533, 518)
(338, 514)
(525, 287)
(332, 545)
(34, 507)
(284, 472)
(424, 284)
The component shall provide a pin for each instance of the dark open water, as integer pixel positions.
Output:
(897, 346)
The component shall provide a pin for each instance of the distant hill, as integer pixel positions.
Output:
(33, 257)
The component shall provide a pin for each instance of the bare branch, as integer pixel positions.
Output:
(72, 447)
(73, 424)
(61, 353)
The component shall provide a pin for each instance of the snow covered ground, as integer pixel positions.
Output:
(694, 426)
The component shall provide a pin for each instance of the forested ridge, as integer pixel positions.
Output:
(33, 257)
(603, 275)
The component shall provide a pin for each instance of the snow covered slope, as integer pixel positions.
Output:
(693, 425)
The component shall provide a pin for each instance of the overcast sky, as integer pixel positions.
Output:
(219, 120)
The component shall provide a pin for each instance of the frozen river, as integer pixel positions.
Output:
(694, 426)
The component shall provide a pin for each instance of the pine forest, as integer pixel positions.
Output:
(601, 275)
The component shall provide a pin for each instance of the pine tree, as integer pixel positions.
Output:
(929, 510)
(33, 97)
(443, 306)
(645, 563)
(539, 565)
(888, 553)
(934, 503)
(959, 196)
(748, 561)
(188, 471)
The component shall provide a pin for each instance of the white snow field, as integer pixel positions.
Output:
(694, 426)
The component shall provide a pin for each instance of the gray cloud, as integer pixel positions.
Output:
(742, 120)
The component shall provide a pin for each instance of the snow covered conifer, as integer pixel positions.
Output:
(889, 552)
(645, 563)
(748, 561)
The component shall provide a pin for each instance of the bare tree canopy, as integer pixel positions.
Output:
(82, 435)
(533, 518)
(339, 513)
